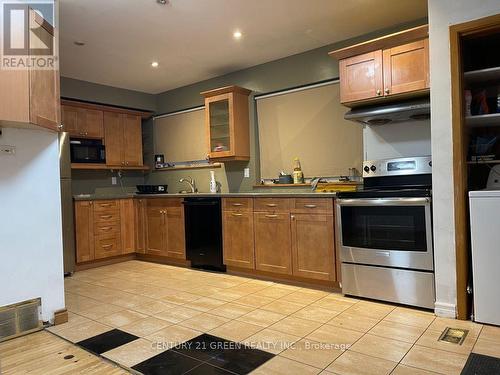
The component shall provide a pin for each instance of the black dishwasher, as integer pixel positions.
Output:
(203, 219)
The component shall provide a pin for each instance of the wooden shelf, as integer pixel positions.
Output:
(482, 75)
(184, 167)
(91, 166)
(489, 120)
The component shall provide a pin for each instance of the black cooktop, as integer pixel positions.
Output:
(383, 193)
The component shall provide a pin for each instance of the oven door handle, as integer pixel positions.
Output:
(384, 201)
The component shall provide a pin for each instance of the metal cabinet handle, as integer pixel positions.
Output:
(104, 204)
(271, 216)
(237, 204)
(106, 229)
(292, 217)
(236, 214)
(387, 91)
(271, 205)
(106, 216)
(379, 92)
(106, 246)
(310, 206)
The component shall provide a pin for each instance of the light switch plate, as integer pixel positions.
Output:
(113, 180)
(7, 150)
(246, 172)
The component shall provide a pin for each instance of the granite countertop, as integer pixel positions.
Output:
(222, 195)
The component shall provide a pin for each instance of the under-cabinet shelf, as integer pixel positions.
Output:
(482, 75)
(489, 120)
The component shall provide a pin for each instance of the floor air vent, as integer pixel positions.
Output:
(19, 319)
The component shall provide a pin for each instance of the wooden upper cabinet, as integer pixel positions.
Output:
(82, 122)
(406, 68)
(123, 139)
(361, 77)
(31, 95)
(386, 67)
(227, 123)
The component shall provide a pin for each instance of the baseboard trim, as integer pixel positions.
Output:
(61, 316)
(445, 310)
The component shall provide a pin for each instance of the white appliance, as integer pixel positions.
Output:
(485, 239)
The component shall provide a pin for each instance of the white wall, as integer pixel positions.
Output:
(442, 14)
(31, 262)
(411, 138)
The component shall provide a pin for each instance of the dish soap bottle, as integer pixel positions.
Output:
(213, 183)
(298, 176)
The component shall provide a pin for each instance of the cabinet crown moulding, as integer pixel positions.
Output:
(225, 90)
(387, 41)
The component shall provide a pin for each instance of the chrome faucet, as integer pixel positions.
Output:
(189, 180)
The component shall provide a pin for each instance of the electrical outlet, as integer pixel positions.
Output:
(246, 172)
(7, 150)
(113, 180)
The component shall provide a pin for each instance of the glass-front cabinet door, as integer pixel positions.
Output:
(219, 127)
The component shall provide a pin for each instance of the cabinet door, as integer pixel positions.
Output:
(84, 231)
(140, 225)
(127, 220)
(175, 241)
(132, 140)
(406, 68)
(238, 239)
(220, 125)
(361, 77)
(155, 222)
(273, 242)
(70, 120)
(93, 125)
(313, 246)
(113, 138)
(44, 83)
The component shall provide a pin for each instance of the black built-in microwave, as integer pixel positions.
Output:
(87, 151)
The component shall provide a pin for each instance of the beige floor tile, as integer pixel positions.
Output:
(204, 304)
(430, 339)
(487, 347)
(177, 314)
(284, 366)
(304, 297)
(172, 336)
(381, 347)
(227, 295)
(76, 303)
(397, 331)
(335, 335)
(99, 311)
(316, 313)
(295, 326)
(122, 318)
(406, 370)
(204, 322)
(440, 324)
(254, 300)
(332, 304)
(133, 353)
(83, 331)
(235, 330)
(130, 301)
(490, 333)
(410, 317)
(352, 363)
(283, 307)
(371, 310)
(153, 308)
(312, 353)
(261, 318)
(274, 291)
(179, 298)
(271, 341)
(146, 326)
(434, 360)
(354, 322)
(231, 310)
(73, 320)
(248, 288)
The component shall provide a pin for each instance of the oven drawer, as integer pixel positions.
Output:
(408, 287)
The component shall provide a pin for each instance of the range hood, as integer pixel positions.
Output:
(409, 110)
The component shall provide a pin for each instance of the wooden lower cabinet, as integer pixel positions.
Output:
(127, 221)
(175, 240)
(313, 246)
(107, 245)
(84, 223)
(140, 225)
(238, 239)
(273, 242)
(155, 222)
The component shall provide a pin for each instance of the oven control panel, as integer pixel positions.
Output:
(397, 167)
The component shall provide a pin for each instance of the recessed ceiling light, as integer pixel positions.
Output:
(79, 43)
(162, 2)
(237, 35)
(155, 64)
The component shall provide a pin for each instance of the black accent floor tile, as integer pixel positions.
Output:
(167, 363)
(205, 347)
(107, 341)
(478, 364)
(241, 361)
(206, 369)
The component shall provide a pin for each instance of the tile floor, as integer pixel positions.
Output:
(156, 319)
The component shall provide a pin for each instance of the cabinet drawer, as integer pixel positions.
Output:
(237, 204)
(106, 205)
(106, 228)
(312, 205)
(107, 245)
(106, 216)
(164, 202)
(272, 204)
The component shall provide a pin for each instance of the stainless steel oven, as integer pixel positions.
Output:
(384, 233)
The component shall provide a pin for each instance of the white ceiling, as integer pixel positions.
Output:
(192, 39)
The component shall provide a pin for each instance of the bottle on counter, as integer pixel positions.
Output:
(213, 183)
(298, 176)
